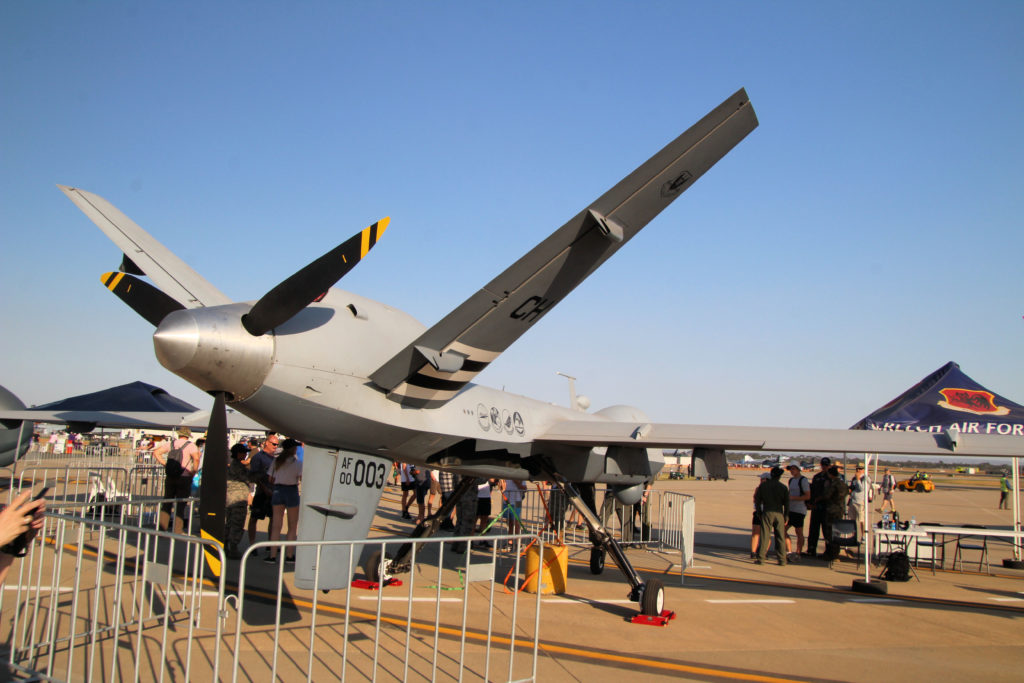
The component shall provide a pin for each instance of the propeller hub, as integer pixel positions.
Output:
(209, 348)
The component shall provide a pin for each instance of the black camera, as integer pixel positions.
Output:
(19, 546)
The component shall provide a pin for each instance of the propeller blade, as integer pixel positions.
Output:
(128, 266)
(213, 489)
(142, 297)
(301, 289)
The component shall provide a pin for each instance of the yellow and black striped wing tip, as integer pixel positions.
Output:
(370, 235)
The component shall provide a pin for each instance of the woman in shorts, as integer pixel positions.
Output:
(285, 475)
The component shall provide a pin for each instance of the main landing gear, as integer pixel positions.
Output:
(379, 572)
(649, 595)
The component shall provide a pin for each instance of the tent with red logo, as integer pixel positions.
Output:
(948, 400)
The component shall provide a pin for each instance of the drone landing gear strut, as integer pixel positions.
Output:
(650, 594)
(380, 572)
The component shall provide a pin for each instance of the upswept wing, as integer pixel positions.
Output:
(591, 433)
(168, 272)
(437, 365)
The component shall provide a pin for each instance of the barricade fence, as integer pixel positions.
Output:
(450, 616)
(73, 482)
(98, 600)
(664, 521)
(102, 600)
(42, 453)
(105, 595)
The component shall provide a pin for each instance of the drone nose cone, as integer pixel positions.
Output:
(210, 348)
(176, 340)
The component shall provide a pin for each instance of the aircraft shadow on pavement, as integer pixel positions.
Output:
(261, 589)
(783, 586)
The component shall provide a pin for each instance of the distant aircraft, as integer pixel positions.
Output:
(130, 406)
(363, 384)
(15, 438)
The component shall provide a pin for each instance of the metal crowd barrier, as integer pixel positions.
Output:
(74, 482)
(665, 522)
(419, 628)
(99, 600)
(111, 455)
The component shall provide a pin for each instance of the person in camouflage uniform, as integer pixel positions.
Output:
(239, 484)
(836, 492)
(772, 499)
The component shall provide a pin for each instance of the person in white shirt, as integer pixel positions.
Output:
(285, 475)
(799, 494)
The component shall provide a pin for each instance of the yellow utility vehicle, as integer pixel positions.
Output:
(921, 484)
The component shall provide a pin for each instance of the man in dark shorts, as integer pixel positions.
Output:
(408, 489)
(799, 494)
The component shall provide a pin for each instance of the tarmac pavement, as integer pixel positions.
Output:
(735, 620)
(738, 620)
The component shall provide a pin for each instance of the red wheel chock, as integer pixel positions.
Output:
(373, 585)
(660, 620)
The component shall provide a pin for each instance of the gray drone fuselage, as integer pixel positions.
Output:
(310, 379)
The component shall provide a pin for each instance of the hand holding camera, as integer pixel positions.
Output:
(20, 522)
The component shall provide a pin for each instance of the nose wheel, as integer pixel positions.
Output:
(652, 598)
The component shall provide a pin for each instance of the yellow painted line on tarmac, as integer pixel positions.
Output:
(753, 601)
(825, 589)
(608, 657)
(368, 598)
(549, 648)
(664, 666)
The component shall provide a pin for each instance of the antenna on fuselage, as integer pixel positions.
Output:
(580, 403)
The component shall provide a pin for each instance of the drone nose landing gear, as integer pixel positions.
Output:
(650, 595)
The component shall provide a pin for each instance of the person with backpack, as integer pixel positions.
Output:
(180, 459)
(799, 494)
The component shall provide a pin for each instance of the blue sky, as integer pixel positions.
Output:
(866, 233)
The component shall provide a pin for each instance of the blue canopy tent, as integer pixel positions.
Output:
(948, 401)
(945, 400)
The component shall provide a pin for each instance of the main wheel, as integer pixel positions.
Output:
(372, 567)
(921, 488)
(652, 600)
(596, 560)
